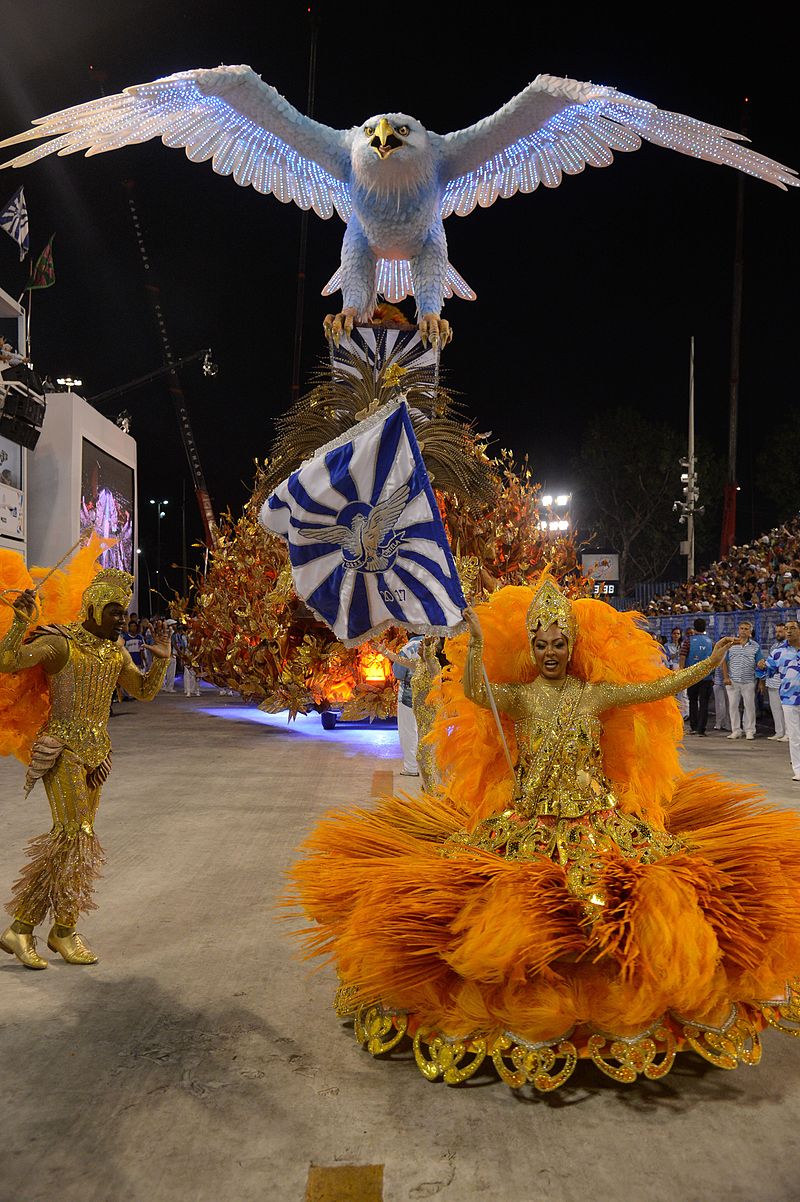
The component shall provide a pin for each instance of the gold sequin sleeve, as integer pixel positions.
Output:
(142, 685)
(607, 696)
(50, 650)
(507, 697)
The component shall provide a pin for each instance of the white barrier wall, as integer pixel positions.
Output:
(54, 474)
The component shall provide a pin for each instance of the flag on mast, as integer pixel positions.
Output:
(43, 272)
(14, 220)
(367, 543)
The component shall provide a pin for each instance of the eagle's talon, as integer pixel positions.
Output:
(337, 325)
(434, 329)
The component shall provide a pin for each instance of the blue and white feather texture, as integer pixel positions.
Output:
(392, 181)
(367, 544)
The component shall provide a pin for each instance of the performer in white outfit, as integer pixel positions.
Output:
(784, 663)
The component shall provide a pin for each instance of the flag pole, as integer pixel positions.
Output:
(28, 313)
(496, 716)
(36, 587)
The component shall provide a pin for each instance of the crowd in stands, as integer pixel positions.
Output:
(763, 574)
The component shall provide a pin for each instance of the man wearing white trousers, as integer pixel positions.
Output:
(403, 669)
(773, 689)
(739, 674)
(785, 663)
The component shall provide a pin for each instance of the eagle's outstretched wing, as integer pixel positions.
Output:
(226, 114)
(343, 536)
(557, 126)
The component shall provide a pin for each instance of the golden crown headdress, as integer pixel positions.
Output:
(110, 584)
(549, 606)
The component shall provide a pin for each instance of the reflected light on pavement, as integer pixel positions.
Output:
(377, 741)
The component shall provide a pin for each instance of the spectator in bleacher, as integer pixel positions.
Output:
(739, 674)
(773, 688)
(785, 663)
(762, 574)
(696, 646)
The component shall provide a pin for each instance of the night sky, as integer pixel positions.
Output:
(587, 294)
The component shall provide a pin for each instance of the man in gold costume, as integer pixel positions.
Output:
(84, 662)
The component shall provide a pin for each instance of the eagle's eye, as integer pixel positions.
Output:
(369, 130)
(403, 131)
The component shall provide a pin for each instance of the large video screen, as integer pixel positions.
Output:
(107, 495)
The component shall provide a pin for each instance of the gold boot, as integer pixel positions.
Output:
(23, 947)
(70, 946)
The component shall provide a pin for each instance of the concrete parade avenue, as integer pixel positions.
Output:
(201, 1060)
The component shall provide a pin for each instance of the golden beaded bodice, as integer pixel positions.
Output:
(559, 769)
(81, 695)
(576, 784)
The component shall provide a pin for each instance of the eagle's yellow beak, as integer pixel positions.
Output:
(385, 140)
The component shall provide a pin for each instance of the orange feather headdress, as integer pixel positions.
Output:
(639, 741)
(25, 696)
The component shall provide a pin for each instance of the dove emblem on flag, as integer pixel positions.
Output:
(363, 542)
(367, 544)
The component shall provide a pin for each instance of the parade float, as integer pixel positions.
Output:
(247, 628)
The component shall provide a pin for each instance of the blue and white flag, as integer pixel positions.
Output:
(14, 220)
(366, 541)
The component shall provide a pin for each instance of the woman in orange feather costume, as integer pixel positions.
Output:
(595, 903)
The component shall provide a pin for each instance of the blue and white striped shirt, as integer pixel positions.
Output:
(742, 662)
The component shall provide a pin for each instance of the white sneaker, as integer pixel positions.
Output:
(737, 734)
(774, 738)
(797, 778)
(749, 736)
(783, 739)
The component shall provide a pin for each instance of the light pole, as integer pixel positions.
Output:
(688, 508)
(147, 571)
(160, 513)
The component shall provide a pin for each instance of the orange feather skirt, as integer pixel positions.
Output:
(478, 958)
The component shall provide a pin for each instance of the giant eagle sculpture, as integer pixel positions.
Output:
(391, 180)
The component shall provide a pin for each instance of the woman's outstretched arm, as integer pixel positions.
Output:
(607, 696)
